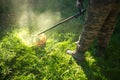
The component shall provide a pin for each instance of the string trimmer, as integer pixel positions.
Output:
(65, 20)
(42, 38)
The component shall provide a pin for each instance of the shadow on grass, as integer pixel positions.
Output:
(92, 68)
(97, 68)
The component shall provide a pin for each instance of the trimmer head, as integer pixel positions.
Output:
(39, 40)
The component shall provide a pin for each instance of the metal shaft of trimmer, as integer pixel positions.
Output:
(65, 20)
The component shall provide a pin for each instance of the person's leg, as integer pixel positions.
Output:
(106, 31)
(96, 17)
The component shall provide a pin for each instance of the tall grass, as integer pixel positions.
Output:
(50, 62)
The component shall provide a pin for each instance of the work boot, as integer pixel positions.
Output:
(78, 56)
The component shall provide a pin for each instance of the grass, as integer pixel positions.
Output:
(45, 62)
(20, 62)
(50, 62)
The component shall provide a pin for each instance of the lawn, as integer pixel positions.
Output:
(20, 59)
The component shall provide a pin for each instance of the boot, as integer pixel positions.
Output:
(76, 54)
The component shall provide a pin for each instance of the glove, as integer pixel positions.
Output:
(79, 3)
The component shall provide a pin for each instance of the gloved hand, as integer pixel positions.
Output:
(79, 3)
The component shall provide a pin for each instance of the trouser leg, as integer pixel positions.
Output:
(95, 19)
(106, 31)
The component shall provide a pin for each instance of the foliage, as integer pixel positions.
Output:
(20, 62)
(50, 62)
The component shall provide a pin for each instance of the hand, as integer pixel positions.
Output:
(79, 3)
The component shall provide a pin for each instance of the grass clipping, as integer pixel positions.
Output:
(31, 40)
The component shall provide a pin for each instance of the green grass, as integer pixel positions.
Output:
(20, 62)
(46, 62)
(50, 62)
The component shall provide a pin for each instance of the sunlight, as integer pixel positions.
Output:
(41, 22)
(26, 18)
(24, 36)
(47, 20)
(31, 23)
(26, 54)
(31, 40)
